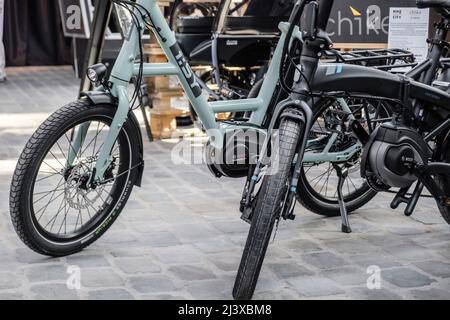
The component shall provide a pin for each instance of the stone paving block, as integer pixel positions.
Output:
(9, 280)
(101, 277)
(288, 269)
(47, 273)
(323, 260)
(88, 261)
(218, 244)
(381, 240)
(276, 295)
(275, 254)
(137, 265)
(191, 272)
(194, 232)
(419, 230)
(211, 289)
(430, 294)
(8, 264)
(406, 278)
(116, 237)
(135, 251)
(361, 293)
(11, 296)
(351, 247)
(269, 281)
(158, 239)
(25, 255)
(379, 260)
(226, 261)
(237, 226)
(409, 252)
(177, 254)
(315, 286)
(435, 268)
(302, 246)
(110, 294)
(53, 291)
(346, 276)
(174, 296)
(152, 283)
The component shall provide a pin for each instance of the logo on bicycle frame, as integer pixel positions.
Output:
(186, 70)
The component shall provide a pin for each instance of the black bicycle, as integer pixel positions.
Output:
(410, 149)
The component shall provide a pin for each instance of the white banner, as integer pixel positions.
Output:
(2, 48)
(408, 30)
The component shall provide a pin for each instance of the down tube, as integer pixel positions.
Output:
(192, 89)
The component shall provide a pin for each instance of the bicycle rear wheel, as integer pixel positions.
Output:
(318, 184)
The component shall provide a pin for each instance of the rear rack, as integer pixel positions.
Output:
(383, 59)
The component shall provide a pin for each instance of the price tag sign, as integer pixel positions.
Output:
(408, 30)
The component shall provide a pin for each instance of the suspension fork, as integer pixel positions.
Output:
(304, 115)
(307, 125)
(104, 158)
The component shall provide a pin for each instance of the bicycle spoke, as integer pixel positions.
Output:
(51, 175)
(56, 171)
(64, 205)
(56, 158)
(93, 139)
(61, 206)
(66, 211)
(60, 149)
(46, 206)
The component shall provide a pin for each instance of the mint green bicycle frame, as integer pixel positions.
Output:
(126, 67)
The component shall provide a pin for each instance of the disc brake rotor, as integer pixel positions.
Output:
(76, 192)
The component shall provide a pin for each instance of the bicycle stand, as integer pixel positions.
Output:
(342, 173)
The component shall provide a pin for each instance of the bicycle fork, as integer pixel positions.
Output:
(297, 110)
(104, 158)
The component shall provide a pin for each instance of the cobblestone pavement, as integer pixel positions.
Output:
(180, 235)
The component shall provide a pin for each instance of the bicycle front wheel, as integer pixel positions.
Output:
(268, 208)
(53, 208)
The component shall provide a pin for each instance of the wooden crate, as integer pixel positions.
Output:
(164, 123)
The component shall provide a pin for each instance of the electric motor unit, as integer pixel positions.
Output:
(383, 159)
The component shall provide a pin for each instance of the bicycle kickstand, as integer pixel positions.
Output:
(342, 173)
